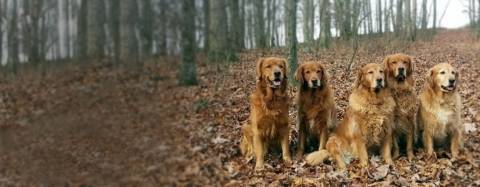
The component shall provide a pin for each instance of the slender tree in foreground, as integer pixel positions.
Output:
(187, 74)
(292, 37)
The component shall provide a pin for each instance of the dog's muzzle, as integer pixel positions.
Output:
(401, 75)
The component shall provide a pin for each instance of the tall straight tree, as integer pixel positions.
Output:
(2, 16)
(291, 10)
(162, 20)
(308, 21)
(13, 38)
(219, 48)
(325, 23)
(379, 16)
(95, 39)
(187, 73)
(413, 36)
(82, 34)
(146, 27)
(66, 9)
(236, 24)
(399, 18)
(424, 15)
(128, 39)
(260, 38)
(386, 14)
(206, 24)
(434, 14)
(115, 28)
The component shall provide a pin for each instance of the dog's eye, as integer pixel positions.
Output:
(318, 71)
(453, 72)
(442, 72)
(370, 72)
(281, 66)
(394, 62)
(381, 71)
(307, 72)
(269, 66)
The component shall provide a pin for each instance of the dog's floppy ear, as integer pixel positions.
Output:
(410, 66)
(299, 74)
(285, 64)
(259, 68)
(358, 81)
(430, 79)
(325, 76)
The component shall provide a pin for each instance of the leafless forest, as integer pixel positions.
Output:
(154, 92)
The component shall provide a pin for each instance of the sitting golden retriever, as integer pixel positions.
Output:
(316, 106)
(269, 112)
(440, 109)
(399, 76)
(367, 123)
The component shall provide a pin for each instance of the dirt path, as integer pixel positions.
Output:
(99, 125)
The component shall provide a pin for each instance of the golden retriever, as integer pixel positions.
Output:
(440, 109)
(316, 106)
(269, 112)
(367, 123)
(399, 76)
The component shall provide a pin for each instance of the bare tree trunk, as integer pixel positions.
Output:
(434, 14)
(273, 36)
(291, 11)
(128, 39)
(326, 23)
(399, 17)
(408, 19)
(66, 8)
(219, 48)
(95, 28)
(260, 38)
(13, 39)
(115, 29)
(424, 15)
(146, 28)
(236, 22)
(187, 73)
(379, 16)
(2, 16)
(386, 13)
(414, 21)
(308, 21)
(82, 31)
(206, 25)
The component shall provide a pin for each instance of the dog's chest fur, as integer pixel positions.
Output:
(445, 116)
(405, 110)
(374, 120)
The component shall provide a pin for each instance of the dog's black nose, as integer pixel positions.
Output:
(277, 74)
(379, 81)
(451, 81)
(315, 82)
(401, 70)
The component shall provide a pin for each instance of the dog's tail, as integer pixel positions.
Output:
(317, 157)
(246, 144)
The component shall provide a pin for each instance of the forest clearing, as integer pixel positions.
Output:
(143, 129)
(156, 92)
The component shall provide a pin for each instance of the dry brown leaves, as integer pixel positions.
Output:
(100, 125)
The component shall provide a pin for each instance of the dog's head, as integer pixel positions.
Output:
(372, 77)
(311, 75)
(272, 70)
(443, 77)
(398, 66)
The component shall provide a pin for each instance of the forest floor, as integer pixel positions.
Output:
(98, 125)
